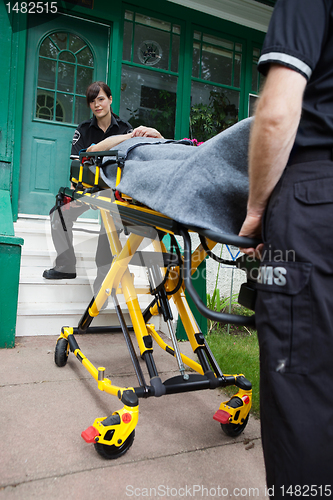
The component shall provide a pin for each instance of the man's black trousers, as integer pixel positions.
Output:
(294, 314)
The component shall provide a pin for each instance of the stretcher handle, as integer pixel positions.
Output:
(97, 154)
(234, 319)
(227, 239)
(97, 159)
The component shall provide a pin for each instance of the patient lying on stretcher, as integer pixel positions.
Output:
(204, 186)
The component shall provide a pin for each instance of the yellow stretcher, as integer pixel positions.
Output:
(169, 274)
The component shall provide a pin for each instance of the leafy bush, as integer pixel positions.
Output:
(207, 120)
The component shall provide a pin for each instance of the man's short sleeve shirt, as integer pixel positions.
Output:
(300, 37)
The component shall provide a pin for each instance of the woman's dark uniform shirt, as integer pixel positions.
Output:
(300, 37)
(88, 133)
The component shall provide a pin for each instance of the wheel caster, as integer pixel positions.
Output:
(114, 435)
(61, 352)
(234, 430)
(111, 452)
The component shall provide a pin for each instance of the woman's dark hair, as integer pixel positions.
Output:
(93, 91)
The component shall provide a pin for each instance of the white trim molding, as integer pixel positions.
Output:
(244, 12)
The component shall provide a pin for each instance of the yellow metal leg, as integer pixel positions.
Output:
(113, 435)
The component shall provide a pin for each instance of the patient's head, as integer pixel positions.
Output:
(94, 89)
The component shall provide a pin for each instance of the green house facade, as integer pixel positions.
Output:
(185, 67)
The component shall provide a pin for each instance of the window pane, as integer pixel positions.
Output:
(46, 73)
(75, 43)
(237, 70)
(216, 65)
(176, 29)
(149, 98)
(67, 56)
(127, 41)
(196, 60)
(175, 53)
(48, 49)
(227, 44)
(129, 15)
(85, 57)
(252, 104)
(44, 113)
(255, 78)
(44, 105)
(151, 47)
(60, 113)
(154, 23)
(213, 109)
(255, 74)
(64, 108)
(82, 112)
(84, 78)
(60, 40)
(66, 77)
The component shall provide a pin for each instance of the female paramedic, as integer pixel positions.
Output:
(104, 124)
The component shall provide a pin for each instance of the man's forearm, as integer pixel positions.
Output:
(270, 147)
(273, 134)
(272, 137)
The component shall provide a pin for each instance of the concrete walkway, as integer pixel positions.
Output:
(179, 450)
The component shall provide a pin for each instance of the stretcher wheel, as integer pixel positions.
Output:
(234, 430)
(61, 352)
(112, 452)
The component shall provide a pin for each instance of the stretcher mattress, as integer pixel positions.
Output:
(204, 186)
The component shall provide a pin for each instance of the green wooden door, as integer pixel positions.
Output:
(63, 57)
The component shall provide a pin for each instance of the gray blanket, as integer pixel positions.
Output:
(204, 186)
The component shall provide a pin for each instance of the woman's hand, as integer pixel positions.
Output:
(146, 132)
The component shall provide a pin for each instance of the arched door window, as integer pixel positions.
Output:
(65, 69)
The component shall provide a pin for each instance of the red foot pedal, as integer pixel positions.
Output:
(222, 416)
(90, 434)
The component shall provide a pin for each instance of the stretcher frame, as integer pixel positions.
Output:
(112, 436)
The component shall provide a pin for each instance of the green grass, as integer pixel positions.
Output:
(237, 352)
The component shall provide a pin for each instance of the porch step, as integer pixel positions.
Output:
(48, 319)
(45, 306)
(33, 266)
(40, 291)
(85, 234)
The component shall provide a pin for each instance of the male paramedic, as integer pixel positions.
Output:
(290, 207)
